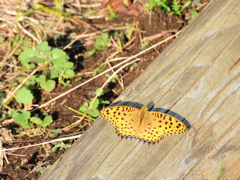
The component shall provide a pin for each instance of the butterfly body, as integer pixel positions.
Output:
(149, 126)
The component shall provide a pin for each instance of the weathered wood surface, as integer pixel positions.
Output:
(196, 77)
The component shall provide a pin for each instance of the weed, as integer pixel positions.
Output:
(163, 4)
(177, 8)
(42, 169)
(55, 132)
(94, 111)
(144, 45)
(112, 14)
(107, 40)
(59, 146)
(25, 97)
(174, 8)
(53, 64)
(194, 14)
(100, 44)
(113, 79)
(131, 68)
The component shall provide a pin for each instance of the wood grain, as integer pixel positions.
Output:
(197, 76)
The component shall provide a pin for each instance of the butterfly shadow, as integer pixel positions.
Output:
(150, 107)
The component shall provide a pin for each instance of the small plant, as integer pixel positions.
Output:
(163, 4)
(55, 132)
(99, 69)
(113, 79)
(59, 146)
(43, 169)
(94, 111)
(23, 117)
(53, 63)
(177, 8)
(112, 14)
(107, 40)
(118, 40)
(194, 14)
(101, 43)
(144, 45)
(78, 79)
(132, 67)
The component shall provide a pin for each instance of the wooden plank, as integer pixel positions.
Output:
(196, 77)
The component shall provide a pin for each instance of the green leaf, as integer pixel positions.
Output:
(106, 102)
(65, 83)
(112, 13)
(101, 101)
(100, 91)
(59, 56)
(46, 84)
(176, 7)
(55, 73)
(105, 36)
(21, 118)
(30, 82)
(133, 66)
(68, 73)
(91, 53)
(55, 132)
(47, 120)
(194, 14)
(94, 113)
(36, 120)
(144, 45)
(95, 104)
(43, 47)
(24, 96)
(26, 56)
(56, 146)
(68, 145)
(68, 65)
(186, 5)
(44, 52)
(107, 75)
(84, 108)
(78, 79)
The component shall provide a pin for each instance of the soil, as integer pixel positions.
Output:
(24, 162)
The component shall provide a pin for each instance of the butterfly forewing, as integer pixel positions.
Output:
(123, 117)
(167, 123)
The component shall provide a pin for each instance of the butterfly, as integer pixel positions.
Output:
(149, 126)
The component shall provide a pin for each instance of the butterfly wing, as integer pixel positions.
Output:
(157, 124)
(125, 118)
